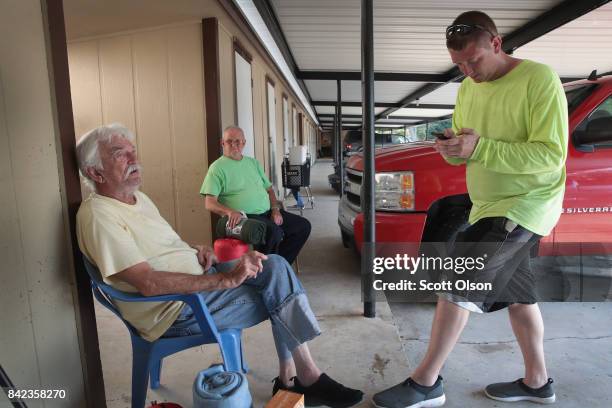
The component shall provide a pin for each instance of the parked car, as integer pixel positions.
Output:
(434, 203)
(353, 144)
(334, 178)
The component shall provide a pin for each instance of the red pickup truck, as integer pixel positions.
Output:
(419, 197)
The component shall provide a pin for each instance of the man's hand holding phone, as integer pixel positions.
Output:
(459, 146)
(442, 135)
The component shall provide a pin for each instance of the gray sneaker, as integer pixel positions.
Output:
(518, 391)
(409, 394)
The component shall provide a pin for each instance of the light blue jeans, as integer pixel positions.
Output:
(275, 294)
(298, 198)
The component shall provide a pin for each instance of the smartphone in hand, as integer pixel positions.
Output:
(440, 135)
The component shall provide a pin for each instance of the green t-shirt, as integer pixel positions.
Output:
(238, 184)
(518, 167)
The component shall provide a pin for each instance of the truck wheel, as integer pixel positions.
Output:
(346, 241)
(452, 222)
(446, 227)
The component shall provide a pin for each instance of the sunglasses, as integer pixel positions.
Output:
(464, 29)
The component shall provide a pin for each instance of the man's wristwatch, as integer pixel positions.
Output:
(277, 208)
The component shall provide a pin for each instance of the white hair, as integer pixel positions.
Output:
(87, 148)
(232, 127)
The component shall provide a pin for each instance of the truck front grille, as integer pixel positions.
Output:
(352, 188)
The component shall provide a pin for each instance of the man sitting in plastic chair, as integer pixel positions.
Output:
(120, 230)
(236, 185)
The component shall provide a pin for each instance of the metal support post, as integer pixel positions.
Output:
(368, 199)
(335, 136)
(339, 118)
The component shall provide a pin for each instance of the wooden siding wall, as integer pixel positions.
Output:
(39, 327)
(152, 82)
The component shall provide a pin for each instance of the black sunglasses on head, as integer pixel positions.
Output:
(464, 29)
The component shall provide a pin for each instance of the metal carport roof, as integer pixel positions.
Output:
(320, 41)
(403, 41)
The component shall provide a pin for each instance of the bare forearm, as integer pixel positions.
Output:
(218, 208)
(273, 202)
(162, 283)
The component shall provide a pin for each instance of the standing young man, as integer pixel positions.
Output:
(510, 130)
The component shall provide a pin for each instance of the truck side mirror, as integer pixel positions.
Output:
(598, 131)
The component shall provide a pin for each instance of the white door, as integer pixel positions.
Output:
(274, 169)
(244, 102)
(285, 125)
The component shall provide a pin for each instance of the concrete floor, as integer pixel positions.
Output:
(578, 347)
(373, 354)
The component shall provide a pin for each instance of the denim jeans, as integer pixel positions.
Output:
(298, 198)
(275, 294)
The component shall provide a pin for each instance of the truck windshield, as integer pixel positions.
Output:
(575, 94)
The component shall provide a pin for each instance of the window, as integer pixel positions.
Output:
(589, 132)
(575, 94)
(603, 110)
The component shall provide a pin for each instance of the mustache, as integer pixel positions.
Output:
(131, 168)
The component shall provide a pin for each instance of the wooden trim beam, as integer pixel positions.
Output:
(212, 96)
(53, 13)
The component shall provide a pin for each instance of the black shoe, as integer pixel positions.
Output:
(279, 385)
(326, 391)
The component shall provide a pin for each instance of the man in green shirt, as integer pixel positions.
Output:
(510, 129)
(236, 184)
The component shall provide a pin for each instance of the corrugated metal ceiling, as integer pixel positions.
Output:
(578, 47)
(408, 34)
(443, 95)
(432, 113)
(351, 90)
(324, 35)
(346, 110)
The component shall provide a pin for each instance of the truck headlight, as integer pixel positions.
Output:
(394, 191)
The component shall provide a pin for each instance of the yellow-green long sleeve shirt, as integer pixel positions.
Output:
(517, 169)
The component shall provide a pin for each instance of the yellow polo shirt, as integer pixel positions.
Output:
(114, 236)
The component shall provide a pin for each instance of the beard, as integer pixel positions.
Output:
(131, 168)
(133, 185)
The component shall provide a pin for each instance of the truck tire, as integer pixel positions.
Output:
(346, 240)
(445, 228)
(453, 220)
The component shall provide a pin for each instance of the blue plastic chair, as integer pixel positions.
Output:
(147, 356)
